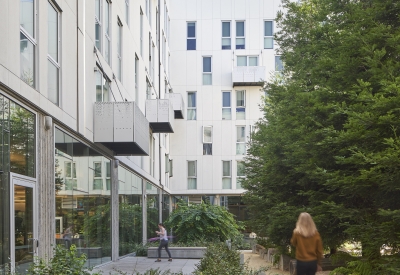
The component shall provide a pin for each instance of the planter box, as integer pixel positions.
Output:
(284, 262)
(178, 252)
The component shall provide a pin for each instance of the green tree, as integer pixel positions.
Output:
(203, 221)
(328, 143)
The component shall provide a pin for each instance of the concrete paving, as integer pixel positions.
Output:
(133, 265)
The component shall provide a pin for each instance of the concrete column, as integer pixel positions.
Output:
(160, 201)
(114, 211)
(144, 211)
(45, 186)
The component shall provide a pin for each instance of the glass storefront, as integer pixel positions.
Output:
(17, 155)
(165, 206)
(152, 210)
(130, 211)
(236, 206)
(83, 199)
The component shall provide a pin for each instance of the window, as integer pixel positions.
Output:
(247, 61)
(207, 74)
(226, 105)
(226, 35)
(278, 64)
(151, 57)
(53, 84)
(127, 12)
(268, 35)
(207, 140)
(240, 104)
(191, 109)
(98, 22)
(166, 159)
(141, 33)
(148, 90)
(107, 36)
(108, 175)
(119, 51)
(192, 174)
(71, 181)
(240, 140)
(136, 79)
(28, 42)
(152, 154)
(239, 174)
(97, 176)
(191, 36)
(102, 87)
(226, 175)
(240, 39)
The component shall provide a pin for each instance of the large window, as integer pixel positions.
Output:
(86, 207)
(268, 35)
(119, 51)
(102, 87)
(192, 174)
(191, 109)
(240, 105)
(226, 105)
(226, 35)
(53, 83)
(247, 61)
(107, 36)
(191, 36)
(239, 174)
(226, 174)
(28, 42)
(207, 71)
(98, 22)
(207, 140)
(240, 140)
(240, 35)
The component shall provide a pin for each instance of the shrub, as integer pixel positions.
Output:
(219, 259)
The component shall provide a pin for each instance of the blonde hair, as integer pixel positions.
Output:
(305, 225)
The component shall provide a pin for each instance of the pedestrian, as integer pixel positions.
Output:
(163, 242)
(308, 243)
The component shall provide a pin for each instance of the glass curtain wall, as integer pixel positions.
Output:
(17, 155)
(152, 210)
(236, 206)
(165, 206)
(83, 200)
(130, 211)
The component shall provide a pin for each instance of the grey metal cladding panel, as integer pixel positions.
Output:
(123, 121)
(176, 100)
(103, 122)
(141, 130)
(151, 110)
(164, 110)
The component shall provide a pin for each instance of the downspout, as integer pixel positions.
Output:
(159, 92)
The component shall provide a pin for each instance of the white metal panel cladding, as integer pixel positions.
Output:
(165, 111)
(123, 121)
(122, 127)
(103, 121)
(141, 130)
(151, 110)
(248, 74)
(177, 104)
(160, 115)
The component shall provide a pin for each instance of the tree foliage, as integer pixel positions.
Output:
(329, 141)
(203, 221)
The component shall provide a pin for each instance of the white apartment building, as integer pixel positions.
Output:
(111, 111)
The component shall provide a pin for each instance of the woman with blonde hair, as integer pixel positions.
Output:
(308, 245)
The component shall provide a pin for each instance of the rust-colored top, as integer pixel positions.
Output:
(308, 248)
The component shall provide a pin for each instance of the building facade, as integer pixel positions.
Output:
(111, 111)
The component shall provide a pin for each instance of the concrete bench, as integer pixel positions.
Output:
(178, 252)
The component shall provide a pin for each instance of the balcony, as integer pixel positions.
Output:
(160, 114)
(248, 76)
(121, 127)
(177, 104)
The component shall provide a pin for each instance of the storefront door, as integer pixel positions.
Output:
(24, 242)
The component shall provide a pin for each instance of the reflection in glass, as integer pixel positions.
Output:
(85, 210)
(52, 84)
(23, 221)
(27, 60)
(152, 210)
(52, 32)
(26, 16)
(130, 211)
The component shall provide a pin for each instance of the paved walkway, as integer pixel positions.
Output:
(134, 265)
